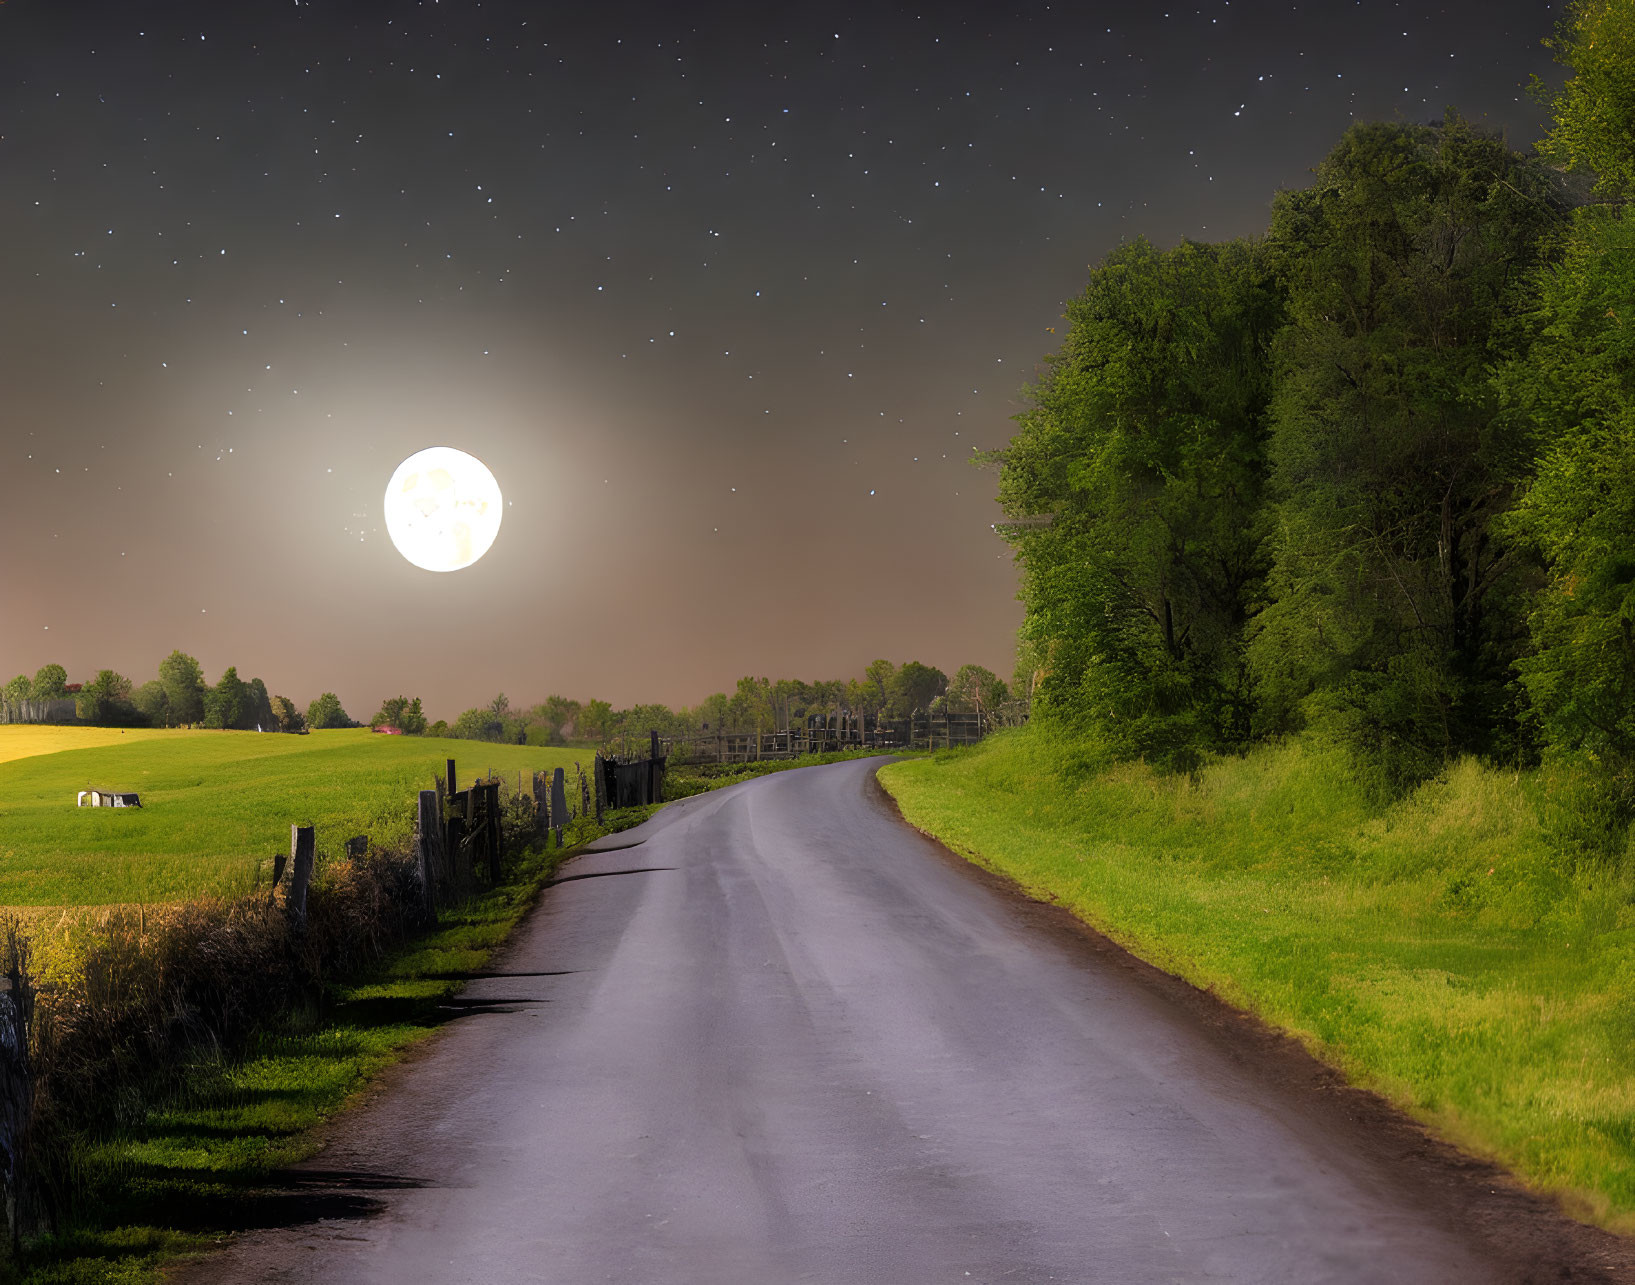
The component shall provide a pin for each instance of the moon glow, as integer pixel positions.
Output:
(443, 509)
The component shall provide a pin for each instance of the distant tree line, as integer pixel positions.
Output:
(1372, 473)
(178, 697)
(884, 690)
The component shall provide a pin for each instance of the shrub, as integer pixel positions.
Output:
(130, 995)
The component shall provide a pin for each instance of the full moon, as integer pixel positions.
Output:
(443, 509)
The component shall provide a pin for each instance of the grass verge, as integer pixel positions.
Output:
(1442, 951)
(200, 1154)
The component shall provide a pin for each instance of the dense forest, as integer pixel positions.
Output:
(1370, 476)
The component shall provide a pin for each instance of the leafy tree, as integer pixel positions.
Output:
(183, 682)
(106, 699)
(326, 712)
(790, 697)
(285, 715)
(1576, 391)
(553, 714)
(18, 688)
(258, 710)
(477, 724)
(151, 703)
(915, 686)
(413, 718)
(1029, 669)
(974, 688)
(402, 713)
(751, 705)
(826, 697)
(1135, 483)
(50, 683)
(1595, 110)
(596, 722)
(1394, 594)
(636, 722)
(714, 712)
(492, 722)
(226, 704)
(874, 693)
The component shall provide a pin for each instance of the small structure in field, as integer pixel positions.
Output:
(386, 729)
(108, 799)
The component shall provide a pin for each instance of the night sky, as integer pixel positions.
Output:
(724, 295)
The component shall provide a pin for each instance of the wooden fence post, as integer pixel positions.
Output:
(454, 841)
(452, 787)
(559, 802)
(496, 837)
(16, 1087)
(473, 811)
(428, 836)
(601, 787)
(303, 844)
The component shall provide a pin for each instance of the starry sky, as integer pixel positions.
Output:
(725, 296)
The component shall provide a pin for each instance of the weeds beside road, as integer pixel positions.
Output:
(194, 1149)
(1441, 950)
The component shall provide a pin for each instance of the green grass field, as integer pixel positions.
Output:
(1440, 951)
(216, 805)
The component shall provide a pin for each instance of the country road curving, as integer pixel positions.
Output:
(785, 1038)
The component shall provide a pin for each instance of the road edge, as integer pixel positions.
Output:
(1529, 1234)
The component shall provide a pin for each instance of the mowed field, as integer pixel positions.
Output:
(215, 805)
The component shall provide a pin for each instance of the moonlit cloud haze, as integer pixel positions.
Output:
(723, 296)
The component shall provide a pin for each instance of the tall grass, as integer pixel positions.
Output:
(1446, 950)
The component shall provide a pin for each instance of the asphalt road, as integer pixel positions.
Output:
(786, 1038)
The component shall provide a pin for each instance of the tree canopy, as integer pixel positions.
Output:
(402, 713)
(1389, 609)
(326, 712)
(225, 704)
(1595, 110)
(50, 683)
(1361, 474)
(1135, 484)
(1574, 392)
(183, 682)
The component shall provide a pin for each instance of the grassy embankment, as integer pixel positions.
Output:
(1441, 950)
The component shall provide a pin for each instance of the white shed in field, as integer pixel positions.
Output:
(107, 799)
